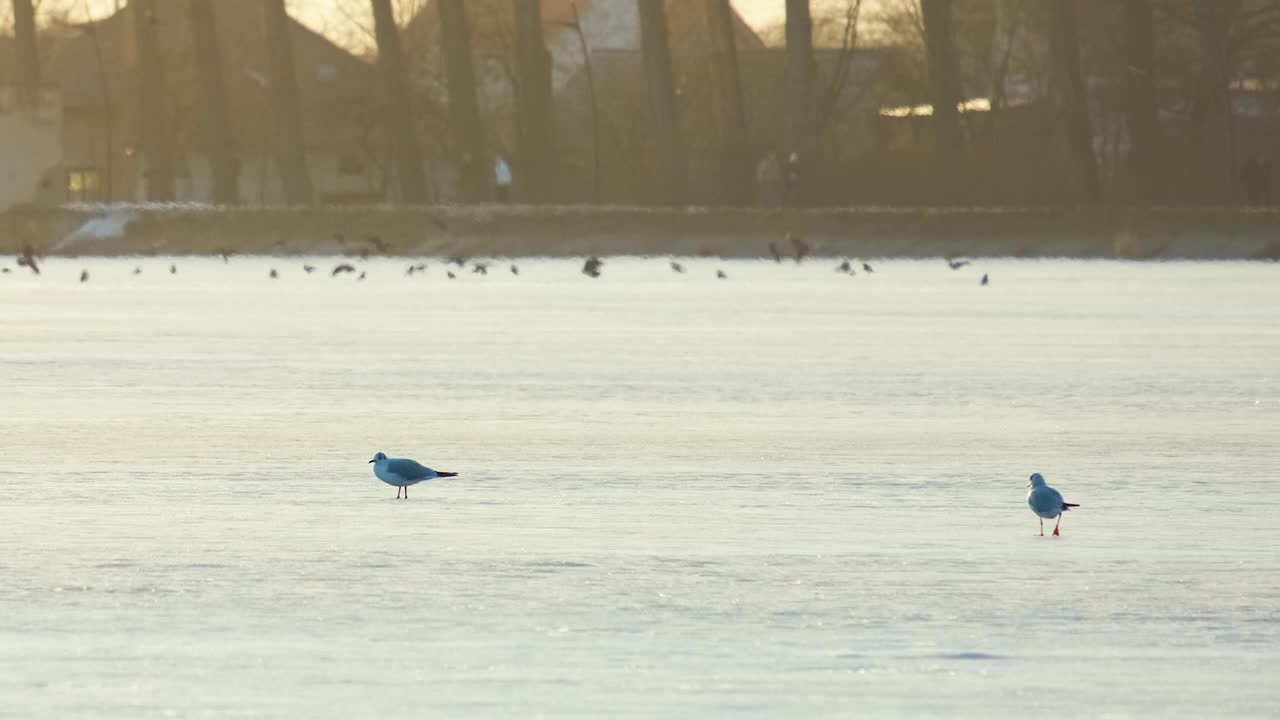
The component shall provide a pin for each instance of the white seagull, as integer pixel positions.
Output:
(1046, 502)
(403, 473)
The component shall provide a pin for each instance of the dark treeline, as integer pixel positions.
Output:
(916, 102)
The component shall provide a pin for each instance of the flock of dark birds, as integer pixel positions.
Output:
(593, 267)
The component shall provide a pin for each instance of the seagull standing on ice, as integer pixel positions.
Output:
(1045, 502)
(403, 473)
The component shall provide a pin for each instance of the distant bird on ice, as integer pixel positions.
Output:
(173, 269)
(773, 250)
(957, 264)
(799, 245)
(84, 276)
(137, 271)
(844, 267)
(361, 276)
(451, 275)
(343, 268)
(402, 473)
(985, 280)
(274, 275)
(722, 275)
(308, 269)
(867, 268)
(1046, 502)
(480, 268)
(515, 270)
(677, 267)
(591, 267)
(28, 259)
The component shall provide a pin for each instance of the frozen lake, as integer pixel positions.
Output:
(790, 493)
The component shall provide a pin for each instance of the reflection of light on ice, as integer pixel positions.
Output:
(107, 226)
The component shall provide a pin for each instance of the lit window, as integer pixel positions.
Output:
(83, 184)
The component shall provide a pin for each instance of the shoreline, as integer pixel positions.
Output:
(576, 231)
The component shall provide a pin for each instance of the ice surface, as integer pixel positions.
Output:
(788, 494)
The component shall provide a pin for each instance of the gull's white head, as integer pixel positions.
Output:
(379, 456)
(1036, 479)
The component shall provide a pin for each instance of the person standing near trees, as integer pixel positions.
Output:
(769, 181)
(794, 178)
(502, 179)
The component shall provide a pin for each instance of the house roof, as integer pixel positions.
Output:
(494, 18)
(332, 82)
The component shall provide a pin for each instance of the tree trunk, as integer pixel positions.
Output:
(535, 171)
(108, 115)
(219, 142)
(673, 175)
(399, 105)
(736, 161)
(156, 134)
(1065, 47)
(464, 106)
(1213, 127)
(28, 59)
(944, 83)
(595, 104)
(291, 147)
(800, 97)
(1144, 118)
(1008, 15)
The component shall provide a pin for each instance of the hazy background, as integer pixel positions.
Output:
(611, 102)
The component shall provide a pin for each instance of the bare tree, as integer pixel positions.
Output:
(576, 26)
(535, 169)
(1064, 44)
(395, 82)
(731, 114)
(219, 140)
(1006, 18)
(28, 60)
(800, 82)
(832, 100)
(291, 148)
(90, 29)
(1143, 117)
(656, 49)
(156, 133)
(464, 105)
(944, 81)
(1213, 127)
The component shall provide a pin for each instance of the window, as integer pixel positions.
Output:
(349, 165)
(83, 184)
